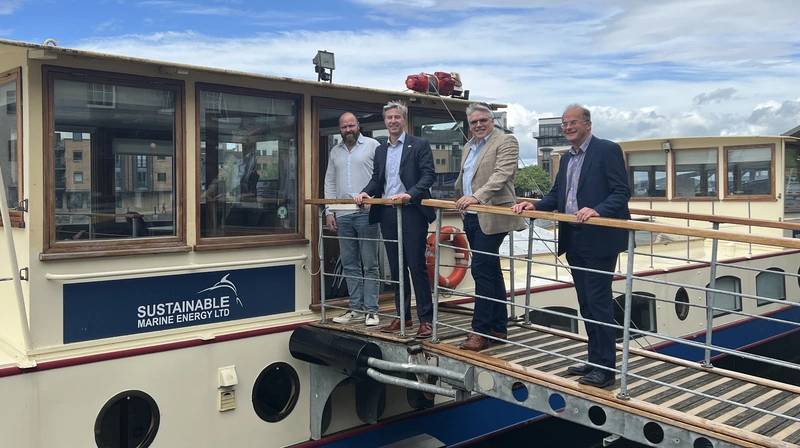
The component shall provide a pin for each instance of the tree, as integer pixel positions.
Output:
(532, 181)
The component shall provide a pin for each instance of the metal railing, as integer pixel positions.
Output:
(400, 282)
(713, 310)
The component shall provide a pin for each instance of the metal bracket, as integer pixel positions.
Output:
(323, 381)
(25, 274)
(22, 206)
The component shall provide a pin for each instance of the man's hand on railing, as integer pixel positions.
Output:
(401, 197)
(359, 198)
(465, 201)
(585, 213)
(522, 206)
(330, 220)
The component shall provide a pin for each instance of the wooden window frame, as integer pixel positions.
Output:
(17, 217)
(54, 250)
(666, 172)
(673, 173)
(245, 241)
(772, 174)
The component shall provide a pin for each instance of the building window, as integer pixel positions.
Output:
(695, 173)
(749, 171)
(771, 284)
(647, 174)
(441, 131)
(117, 147)
(238, 131)
(725, 302)
(162, 177)
(10, 130)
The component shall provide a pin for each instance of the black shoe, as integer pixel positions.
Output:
(579, 369)
(597, 378)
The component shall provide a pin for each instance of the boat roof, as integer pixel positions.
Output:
(715, 137)
(189, 67)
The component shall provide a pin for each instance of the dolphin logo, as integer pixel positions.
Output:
(225, 283)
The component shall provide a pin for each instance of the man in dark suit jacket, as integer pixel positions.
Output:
(591, 181)
(403, 169)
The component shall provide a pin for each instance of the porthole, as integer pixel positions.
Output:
(129, 419)
(653, 433)
(682, 304)
(597, 415)
(275, 392)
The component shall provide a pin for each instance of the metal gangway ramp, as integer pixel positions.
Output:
(657, 400)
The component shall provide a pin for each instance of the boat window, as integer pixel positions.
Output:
(722, 301)
(564, 323)
(275, 392)
(110, 135)
(791, 196)
(695, 173)
(10, 138)
(771, 285)
(248, 163)
(647, 174)
(129, 419)
(749, 171)
(643, 312)
(446, 138)
(682, 304)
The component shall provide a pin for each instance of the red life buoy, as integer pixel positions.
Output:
(451, 236)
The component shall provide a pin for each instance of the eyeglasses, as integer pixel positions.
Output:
(566, 124)
(479, 120)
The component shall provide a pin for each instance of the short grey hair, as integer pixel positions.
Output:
(586, 114)
(479, 107)
(396, 104)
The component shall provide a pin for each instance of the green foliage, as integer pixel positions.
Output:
(532, 181)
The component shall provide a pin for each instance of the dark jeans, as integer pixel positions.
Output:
(488, 315)
(596, 303)
(415, 232)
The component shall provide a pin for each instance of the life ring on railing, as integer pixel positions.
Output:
(452, 236)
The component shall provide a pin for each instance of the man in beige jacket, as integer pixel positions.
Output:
(487, 177)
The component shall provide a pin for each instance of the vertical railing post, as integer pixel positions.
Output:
(712, 284)
(626, 327)
(688, 238)
(529, 269)
(651, 249)
(437, 255)
(749, 228)
(321, 252)
(401, 269)
(513, 288)
(555, 245)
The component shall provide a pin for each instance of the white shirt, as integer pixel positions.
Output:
(394, 155)
(469, 164)
(349, 171)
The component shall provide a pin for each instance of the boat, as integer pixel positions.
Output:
(153, 284)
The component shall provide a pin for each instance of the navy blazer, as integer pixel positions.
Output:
(603, 186)
(416, 173)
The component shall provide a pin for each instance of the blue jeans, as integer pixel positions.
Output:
(359, 259)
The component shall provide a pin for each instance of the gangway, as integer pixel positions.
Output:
(657, 400)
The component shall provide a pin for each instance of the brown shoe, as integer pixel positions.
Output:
(503, 336)
(425, 330)
(394, 326)
(474, 343)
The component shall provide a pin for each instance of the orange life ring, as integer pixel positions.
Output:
(451, 236)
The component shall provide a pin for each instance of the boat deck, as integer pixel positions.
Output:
(747, 417)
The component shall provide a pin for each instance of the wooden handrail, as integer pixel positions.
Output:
(722, 219)
(628, 225)
(374, 201)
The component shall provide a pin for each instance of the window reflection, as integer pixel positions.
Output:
(109, 141)
(248, 164)
(647, 173)
(696, 173)
(8, 140)
(749, 171)
(447, 140)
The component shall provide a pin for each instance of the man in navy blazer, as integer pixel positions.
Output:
(591, 181)
(403, 169)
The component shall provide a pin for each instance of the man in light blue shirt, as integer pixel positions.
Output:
(349, 170)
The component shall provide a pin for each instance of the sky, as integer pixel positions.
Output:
(645, 69)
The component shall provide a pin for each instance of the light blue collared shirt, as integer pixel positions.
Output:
(469, 164)
(574, 175)
(394, 154)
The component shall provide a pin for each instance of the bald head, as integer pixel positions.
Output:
(348, 128)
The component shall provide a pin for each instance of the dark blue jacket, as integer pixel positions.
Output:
(416, 173)
(603, 186)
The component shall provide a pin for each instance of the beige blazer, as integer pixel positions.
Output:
(493, 182)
